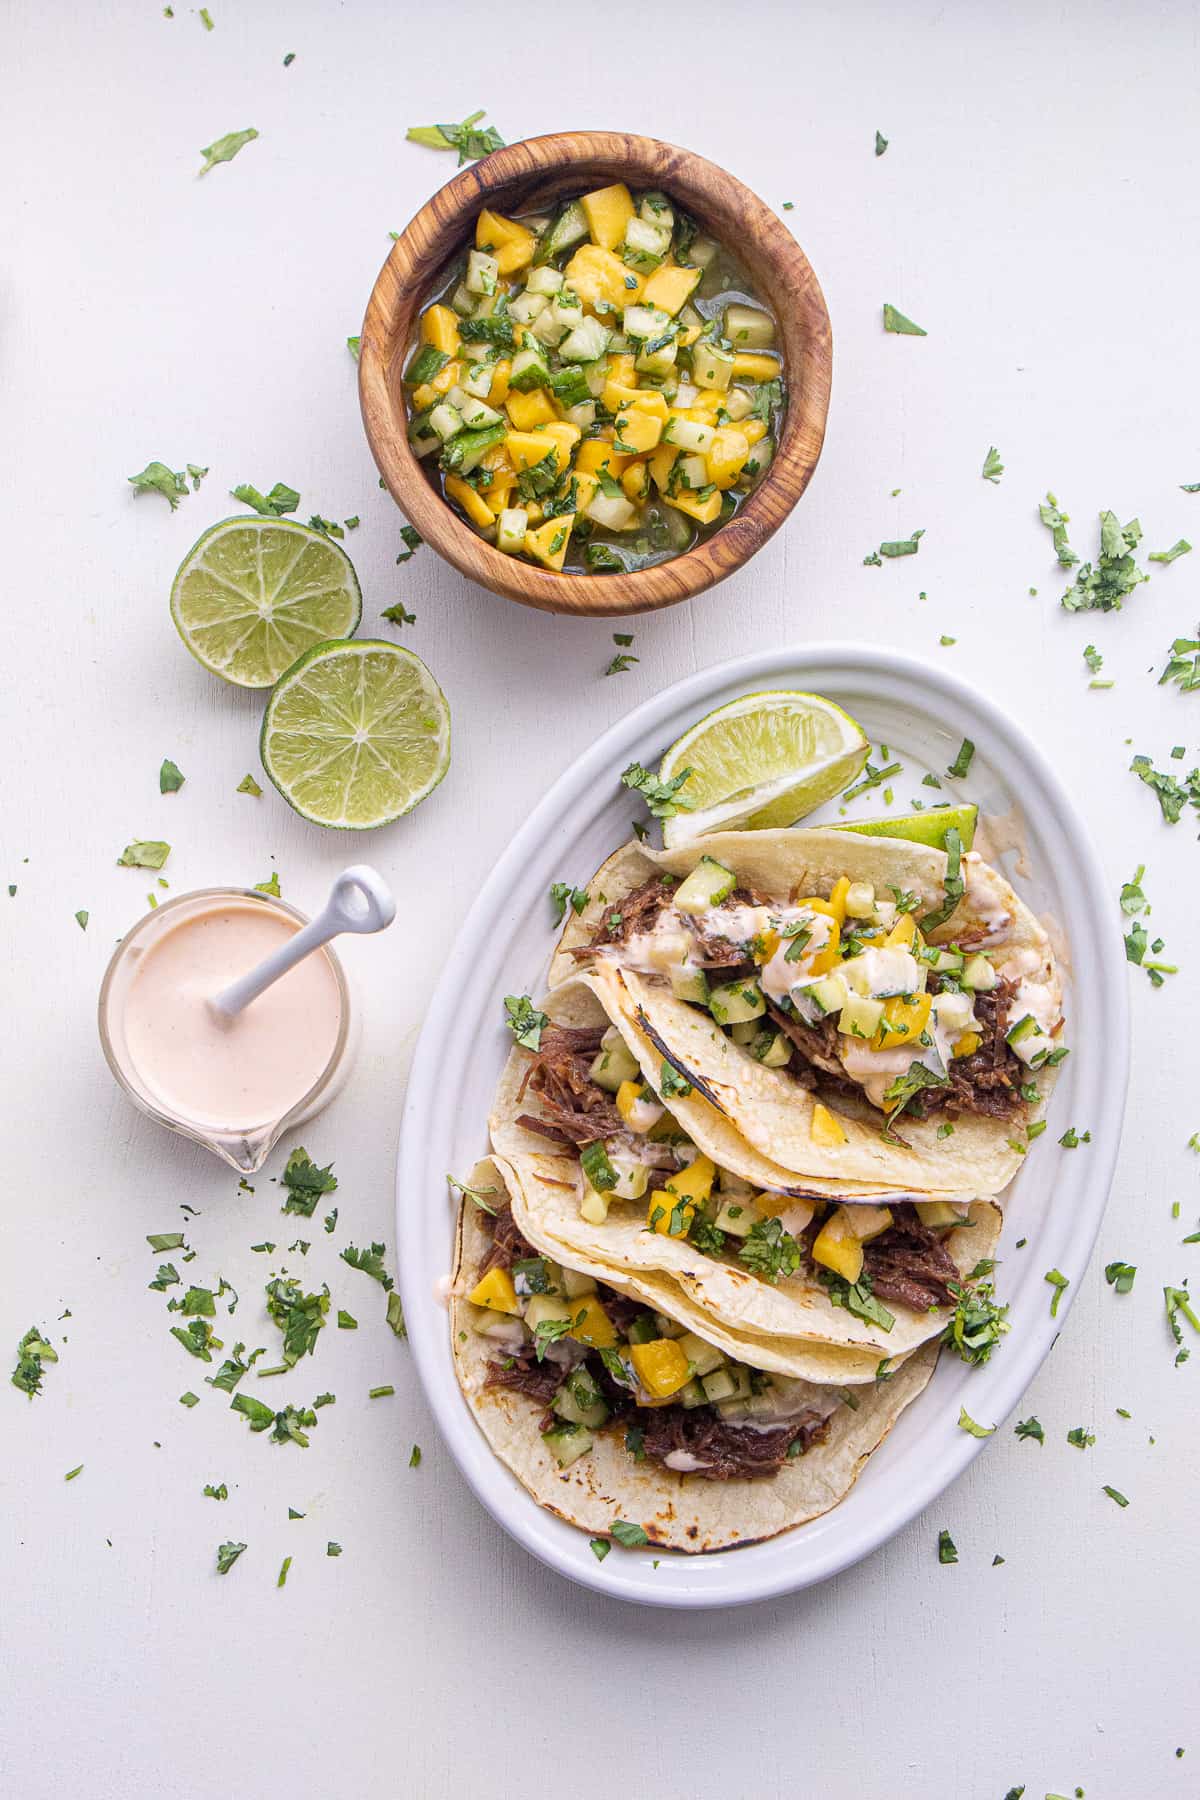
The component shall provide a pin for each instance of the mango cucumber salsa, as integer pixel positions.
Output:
(597, 390)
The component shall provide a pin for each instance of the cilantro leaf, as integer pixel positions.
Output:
(370, 1262)
(281, 499)
(1179, 1305)
(32, 1351)
(144, 853)
(156, 478)
(900, 1093)
(770, 1251)
(470, 143)
(993, 468)
(1105, 586)
(629, 1535)
(524, 1020)
(621, 663)
(662, 797)
(305, 1183)
(1030, 1428)
(227, 1555)
(216, 1493)
(881, 143)
(673, 1085)
(979, 1322)
(299, 1316)
(1115, 1494)
(897, 547)
(561, 894)
(1080, 1437)
(248, 785)
(1119, 1275)
(398, 615)
(1183, 665)
(968, 1424)
(170, 778)
(894, 320)
(395, 1315)
(858, 1298)
(224, 149)
(1056, 523)
(1179, 548)
(947, 1549)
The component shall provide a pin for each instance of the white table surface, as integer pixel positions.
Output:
(1036, 213)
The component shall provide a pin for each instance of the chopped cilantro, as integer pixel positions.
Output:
(770, 1251)
(233, 1368)
(873, 778)
(395, 1315)
(281, 499)
(1179, 548)
(370, 1262)
(894, 320)
(156, 478)
(673, 1085)
(327, 527)
(470, 142)
(993, 468)
(289, 1425)
(1183, 667)
(283, 1571)
(662, 797)
(380, 1393)
(480, 1197)
(961, 765)
(353, 345)
(621, 663)
(1115, 1494)
(206, 18)
(979, 1322)
(1133, 898)
(947, 1549)
(227, 1555)
(1058, 1281)
(144, 853)
(299, 1316)
(305, 1183)
(413, 540)
(967, 1423)
(1080, 1437)
(1056, 522)
(216, 1493)
(414, 1461)
(170, 777)
(197, 1338)
(248, 785)
(524, 1020)
(599, 1548)
(896, 547)
(1173, 796)
(289, 59)
(1030, 1428)
(224, 149)
(904, 1089)
(32, 1351)
(1179, 1305)
(561, 895)
(398, 615)
(332, 1549)
(881, 143)
(1115, 575)
(629, 1535)
(1071, 1139)
(346, 1321)
(1120, 1275)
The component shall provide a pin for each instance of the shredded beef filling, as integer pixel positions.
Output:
(580, 1112)
(725, 1452)
(910, 1264)
(988, 1081)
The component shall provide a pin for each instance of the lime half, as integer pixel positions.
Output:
(921, 828)
(254, 593)
(764, 760)
(356, 733)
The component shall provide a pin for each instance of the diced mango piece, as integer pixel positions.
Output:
(668, 1214)
(498, 392)
(430, 392)
(596, 274)
(499, 494)
(705, 406)
(439, 327)
(688, 336)
(826, 1127)
(621, 368)
(662, 1368)
(661, 464)
(836, 1247)
(752, 430)
(903, 1020)
(630, 1095)
(548, 542)
(585, 490)
(595, 1327)
(867, 1222)
(473, 504)
(525, 448)
(726, 456)
(527, 410)
(608, 211)
(696, 1181)
(751, 365)
(936, 1213)
(565, 435)
(618, 394)
(495, 1290)
(639, 432)
(492, 229)
(597, 454)
(703, 511)
(903, 933)
(636, 482)
(967, 1044)
(669, 287)
(837, 899)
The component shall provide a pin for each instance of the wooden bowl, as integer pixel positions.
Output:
(531, 176)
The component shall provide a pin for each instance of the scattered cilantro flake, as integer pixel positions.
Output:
(769, 1251)
(156, 478)
(872, 778)
(81, 919)
(629, 1535)
(480, 1197)
(895, 547)
(216, 1493)
(170, 777)
(1120, 1275)
(1056, 523)
(168, 1276)
(397, 615)
(599, 1548)
(305, 1183)
(395, 1314)
(370, 1262)
(32, 1351)
(961, 765)
(967, 1423)
(1115, 575)
(1058, 1282)
(946, 1547)
(227, 1555)
(1179, 548)
(662, 797)
(270, 885)
(354, 345)
(197, 1338)
(945, 642)
(283, 1571)
(327, 527)
(332, 1549)
(224, 149)
(1183, 667)
(299, 1316)
(979, 1322)
(189, 1399)
(289, 1425)
(993, 468)
(561, 895)
(673, 1085)
(380, 1393)
(894, 320)
(248, 785)
(289, 59)
(346, 1321)
(72, 1473)
(1071, 1139)
(1179, 1305)
(281, 499)
(470, 142)
(293, 1514)
(524, 1020)
(206, 18)
(1030, 1428)
(413, 539)
(1115, 1494)
(144, 853)
(1080, 1437)
(621, 663)
(414, 1461)
(881, 143)
(166, 1240)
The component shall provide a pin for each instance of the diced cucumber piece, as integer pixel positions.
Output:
(529, 369)
(738, 404)
(567, 1443)
(583, 416)
(633, 1177)
(737, 1214)
(861, 1015)
(691, 1395)
(860, 895)
(579, 1400)
(688, 434)
(613, 513)
(614, 1062)
(656, 209)
(568, 228)
(830, 994)
(748, 328)
(954, 1012)
(567, 308)
(547, 329)
(476, 352)
(422, 437)
(476, 414)
(478, 381)
(712, 367)
(773, 1049)
(667, 1327)
(685, 394)
(746, 1032)
(427, 362)
(569, 386)
(446, 420)
(979, 975)
(585, 342)
(735, 1001)
(644, 323)
(485, 306)
(465, 452)
(760, 459)
(547, 1309)
(701, 252)
(543, 281)
(1028, 1041)
(593, 1205)
(527, 307)
(737, 1185)
(728, 1385)
(462, 301)
(595, 373)
(693, 472)
(688, 983)
(505, 1327)
(511, 527)
(645, 245)
(483, 272)
(944, 962)
(709, 883)
(575, 1285)
(657, 363)
(704, 1357)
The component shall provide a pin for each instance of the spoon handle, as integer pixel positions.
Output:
(360, 901)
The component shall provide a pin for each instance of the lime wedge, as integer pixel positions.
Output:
(254, 593)
(921, 828)
(764, 760)
(356, 733)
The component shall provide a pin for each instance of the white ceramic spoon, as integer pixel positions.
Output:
(359, 900)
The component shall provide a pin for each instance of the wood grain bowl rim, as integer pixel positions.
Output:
(530, 174)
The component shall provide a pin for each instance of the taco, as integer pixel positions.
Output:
(626, 1425)
(860, 1009)
(609, 1177)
